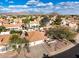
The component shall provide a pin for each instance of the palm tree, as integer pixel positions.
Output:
(16, 43)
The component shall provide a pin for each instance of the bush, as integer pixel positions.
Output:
(15, 32)
(57, 20)
(73, 41)
(44, 21)
(2, 28)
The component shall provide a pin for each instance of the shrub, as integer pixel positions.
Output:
(15, 32)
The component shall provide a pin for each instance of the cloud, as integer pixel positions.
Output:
(37, 6)
(32, 6)
(67, 7)
(45, 4)
(10, 2)
(32, 2)
(18, 6)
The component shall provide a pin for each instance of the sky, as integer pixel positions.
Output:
(40, 6)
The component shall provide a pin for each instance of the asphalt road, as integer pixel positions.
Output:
(71, 53)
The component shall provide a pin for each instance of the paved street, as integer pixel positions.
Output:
(69, 53)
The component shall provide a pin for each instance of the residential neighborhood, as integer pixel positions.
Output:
(35, 35)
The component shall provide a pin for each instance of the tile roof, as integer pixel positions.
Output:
(12, 25)
(35, 36)
(35, 21)
(32, 36)
(4, 39)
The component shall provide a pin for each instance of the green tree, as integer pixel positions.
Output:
(44, 21)
(26, 21)
(2, 28)
(60, 33)
(57, 20)
(15, 32)
(4, 17)
(30, 18)
(14, 17)
(15, 41)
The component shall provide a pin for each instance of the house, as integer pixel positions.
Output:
(16, 26)
(34, 24)
(64, 22)
(54, 17)
(4, 39)
(71, 23)
(36, 37)
(5, 33)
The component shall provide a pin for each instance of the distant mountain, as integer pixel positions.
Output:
(14, 13)
(20, 13)
(28, 13)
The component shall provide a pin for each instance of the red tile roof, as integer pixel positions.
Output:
(35, 36)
